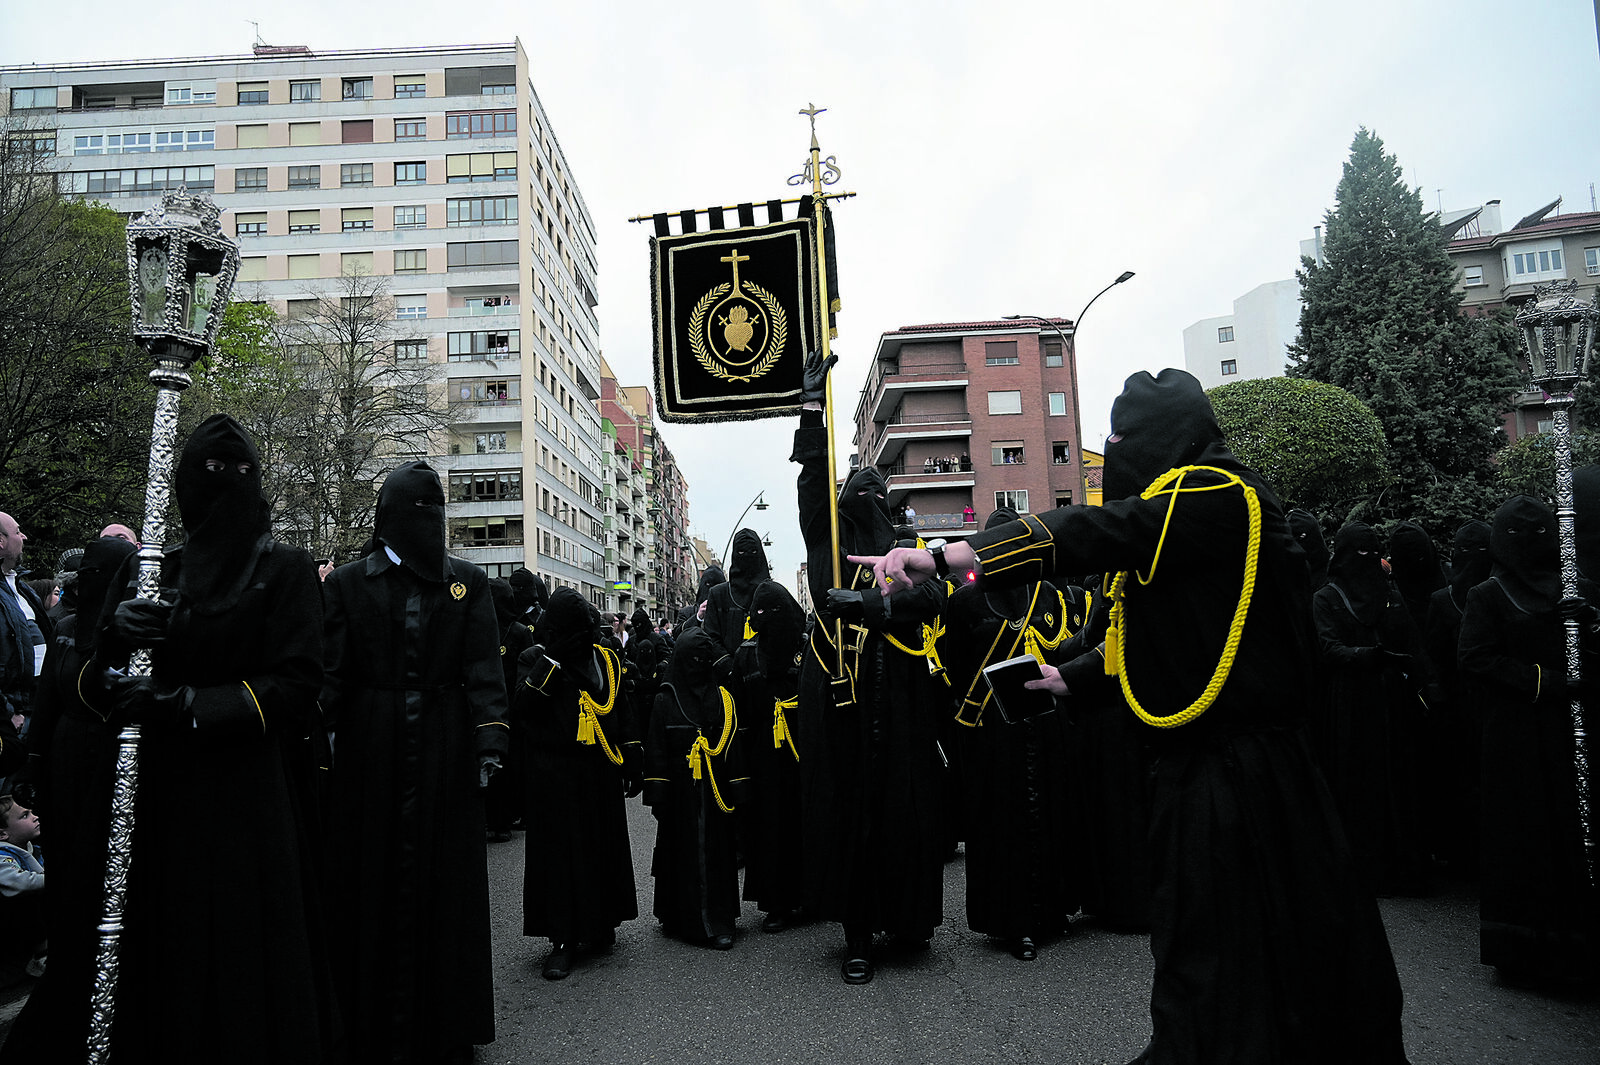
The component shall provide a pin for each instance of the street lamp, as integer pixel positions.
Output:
(181, 268)
(1077, 415)
(1558, 331)
(760, 504)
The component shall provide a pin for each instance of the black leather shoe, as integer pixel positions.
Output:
(559, 963)
(775, 922)
(722, 942)
(857, 970)
(1024, 949)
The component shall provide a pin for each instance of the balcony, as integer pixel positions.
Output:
(493, 460)
(478, 412)
(902, 481)
(904, 428)
(893, 387)
(945, 523)
(483, 312)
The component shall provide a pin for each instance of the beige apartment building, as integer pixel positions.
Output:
(433, 169)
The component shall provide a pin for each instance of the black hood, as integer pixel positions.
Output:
(1470, 560)
(999, 516)
(1586, 502)
(411, 520)
(708, 580)
(780, 627)
(749, 566)
(98, 567)
(567, 630)
(1527, 553)
(529, 589)
(1356, 569)
(225, 519)
(1307, 532)
(864, 525)
(505, 602)
(689, 675)
(642, 625)
(1415, 562)
(1157, 424)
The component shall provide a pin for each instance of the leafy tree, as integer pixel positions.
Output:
(1381, 319)
(75, 405)
(1317, 445)
(1528, 467)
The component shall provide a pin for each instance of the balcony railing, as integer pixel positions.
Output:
(944, 521)
(493, 541)
(901, 469)
(903, 418)
(482, 312)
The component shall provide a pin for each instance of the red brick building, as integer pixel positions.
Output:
(966, 416)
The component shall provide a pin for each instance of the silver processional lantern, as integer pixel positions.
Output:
(181, 269)
(1558, 330)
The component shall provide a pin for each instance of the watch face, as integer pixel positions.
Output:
(932, 544)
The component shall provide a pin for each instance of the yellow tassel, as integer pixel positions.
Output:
(1112, 657)
(749, 633)
(586, 727)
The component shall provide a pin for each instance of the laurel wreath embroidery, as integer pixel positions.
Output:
(778, 333)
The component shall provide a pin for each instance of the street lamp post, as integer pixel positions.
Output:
(760, 504)
(1559, 331)
(1066, 343)
(181, 268)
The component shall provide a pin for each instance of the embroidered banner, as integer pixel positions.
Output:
(735, 314)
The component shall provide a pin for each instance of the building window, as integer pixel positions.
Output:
(1005, 453)
(253, 268)
(410, 308)
(250, 225)
(1591, 261)
(485, 344)
(355, 219)
(479, 486)
(1060, 453)
(1000, 353)
(465, 125)
(305, 177)
(190, 92)
(356, 132)
(305, 221)
(1058, 403)
(355, 264)
(186, 140)
(411, 261)
(250, 179)
(304, 268)
(408, 85)
(1064, 499)
(411, 173)
(251, 136)
(497, 90)
(136, 182)
(355, 175)
(297, 311)
(481, 166)
(1537, 262)
(486, 443)
(1016, 499)
(1005, 402)
(1225, 334)
(410, 351)
(252, 92)
(301, 92)
(1472, 275)
(357, 88)
(484, 211)
(410, 129)
(44, 96)
(468, 254)
(1052, 353)
(411, 216)
(305, 134)
(1230, 367)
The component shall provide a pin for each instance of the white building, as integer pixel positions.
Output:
(1253, 341)
(435, 168)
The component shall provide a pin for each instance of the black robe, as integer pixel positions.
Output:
(1023, 856)
(415, 695)
(224, 951)
(870, 762)
(578, 885)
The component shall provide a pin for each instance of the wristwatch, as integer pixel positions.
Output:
(941, 568)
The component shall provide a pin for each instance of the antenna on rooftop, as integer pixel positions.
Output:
(257, 25)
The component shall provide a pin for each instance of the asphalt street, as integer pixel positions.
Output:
(779, 999)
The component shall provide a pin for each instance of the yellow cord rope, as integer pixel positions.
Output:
(701, 752)
(930, 638)
(1116, 639)
(781, 732)
(590, 712)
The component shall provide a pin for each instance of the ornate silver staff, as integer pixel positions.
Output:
(181, 269)
(1559, 333)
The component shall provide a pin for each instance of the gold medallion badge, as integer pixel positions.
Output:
(458, 591)
(754, 327)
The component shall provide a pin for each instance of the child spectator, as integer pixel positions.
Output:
(22, 883)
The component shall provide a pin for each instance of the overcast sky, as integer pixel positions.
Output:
(1008, 157)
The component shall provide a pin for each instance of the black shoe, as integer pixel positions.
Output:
(857, 968)
(559, 963)
(1024, 949)
(775, 922)
(722, 942)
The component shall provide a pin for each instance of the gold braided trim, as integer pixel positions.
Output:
(590, 711)
(252, 693)
(1116, 636)
(781, 732)
(701, 752)
(929, 649)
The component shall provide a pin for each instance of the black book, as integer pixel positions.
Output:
(1016, 703)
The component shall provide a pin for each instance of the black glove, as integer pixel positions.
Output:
(1553, 688)
(530, 663)
(814, 379)
(1580, 610)
(134, 624)
(632, 779)
(846, 605)
(146, 701)
(722, 669)
(487, 764)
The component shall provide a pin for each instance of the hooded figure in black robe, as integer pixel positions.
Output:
(502, 796)
(689, 616)
(1454, 713)
(576, 724)
(694, 784)
(224, 952)
(417, 701)
(1376, 720)
(1023, 854)
(1414, 562)
(647, 658)
(1307, 531)
(870, 761)
(1267, 949)
(1537, 909)
(531, 595)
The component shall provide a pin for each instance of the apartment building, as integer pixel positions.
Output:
(965, 417)
(435, 171)
(664, 576)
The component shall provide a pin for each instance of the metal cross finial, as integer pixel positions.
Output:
(817, 171)
(811, 111)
